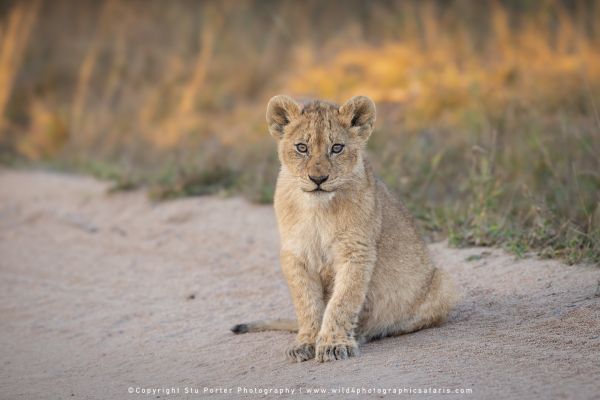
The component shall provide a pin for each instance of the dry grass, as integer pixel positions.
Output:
(488, 111)
(14, 36)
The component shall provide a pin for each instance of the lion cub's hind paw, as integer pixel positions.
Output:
(300, 352)
(332, 352)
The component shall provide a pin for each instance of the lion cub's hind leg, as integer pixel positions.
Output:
(432, 311)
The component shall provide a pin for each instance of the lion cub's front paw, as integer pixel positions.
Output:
(299, 352)
(336, 350)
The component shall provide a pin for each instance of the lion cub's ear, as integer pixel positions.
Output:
(281, 110)
(358, 114)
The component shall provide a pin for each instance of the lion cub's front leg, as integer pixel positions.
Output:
(307, 295)
(336, 339)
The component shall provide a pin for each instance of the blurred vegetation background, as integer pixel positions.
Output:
(488, 111)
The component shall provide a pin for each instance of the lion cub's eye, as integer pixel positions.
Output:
(301, 147)
(337, 148)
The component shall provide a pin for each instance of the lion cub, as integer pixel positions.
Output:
(356, 267)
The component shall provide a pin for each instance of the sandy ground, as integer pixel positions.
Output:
(100, 293)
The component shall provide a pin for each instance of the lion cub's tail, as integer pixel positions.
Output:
(266, 325)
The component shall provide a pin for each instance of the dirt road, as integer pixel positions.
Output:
(100, 293)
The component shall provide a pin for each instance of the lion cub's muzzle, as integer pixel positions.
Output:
(318, 180)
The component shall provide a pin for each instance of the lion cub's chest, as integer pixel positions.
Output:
(312, 239)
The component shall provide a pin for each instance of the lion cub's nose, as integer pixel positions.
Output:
(318, 179)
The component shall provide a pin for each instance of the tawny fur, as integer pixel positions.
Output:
(355, 264)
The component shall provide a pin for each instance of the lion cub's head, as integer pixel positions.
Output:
(320, 144)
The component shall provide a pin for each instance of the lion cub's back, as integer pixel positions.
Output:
(400, 248)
